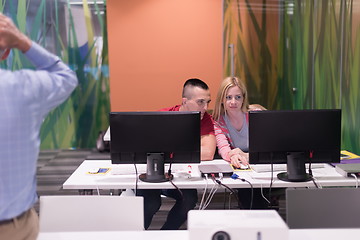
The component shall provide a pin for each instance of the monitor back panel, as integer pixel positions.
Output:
(323, 208)
(134, 134)
(274, 133)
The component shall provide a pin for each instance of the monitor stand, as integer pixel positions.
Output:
(296, 170)
(155, 169)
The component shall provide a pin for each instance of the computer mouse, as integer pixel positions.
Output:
(242, 166)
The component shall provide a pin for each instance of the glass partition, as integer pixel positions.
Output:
(76, 32)
(297, 54)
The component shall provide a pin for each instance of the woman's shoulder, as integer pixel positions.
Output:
(220, 122)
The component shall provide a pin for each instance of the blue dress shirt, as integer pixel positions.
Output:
(26, 97)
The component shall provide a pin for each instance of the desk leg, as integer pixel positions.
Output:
(85, 192)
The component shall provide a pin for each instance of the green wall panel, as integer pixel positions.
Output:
(298, 54)
(77, 34)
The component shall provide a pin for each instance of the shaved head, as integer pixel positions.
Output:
(189, 87)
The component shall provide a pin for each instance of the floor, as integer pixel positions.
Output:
(55, 166)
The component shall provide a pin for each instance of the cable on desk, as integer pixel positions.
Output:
(357, 181)
(317, 182)
(228, 188)
(136, 178)
(176, 187)
(310, 170)
(97, 189)
(204, 193)
(262, 194)
(235, 176)
(221, 176)
(210, 196)
(272, 178)
(313, 180)
(171, 178)
(204, 205)
(224, 201)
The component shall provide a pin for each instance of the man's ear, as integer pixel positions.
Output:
(184, 100)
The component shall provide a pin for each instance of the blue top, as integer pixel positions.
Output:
(240, 138)
(26, 97)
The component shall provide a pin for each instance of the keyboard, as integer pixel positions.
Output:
(259, 168)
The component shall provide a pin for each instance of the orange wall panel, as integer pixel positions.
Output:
(155, 45)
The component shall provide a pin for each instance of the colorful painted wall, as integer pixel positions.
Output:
(298, 54)
(293, 54)
(76, 33)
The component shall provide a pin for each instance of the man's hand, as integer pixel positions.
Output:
(11, 37)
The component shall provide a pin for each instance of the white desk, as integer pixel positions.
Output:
(115, 235)
(80, 179)
(323, 234)
(294, 234)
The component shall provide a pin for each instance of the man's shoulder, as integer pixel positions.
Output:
(207, 125)
(171, 109)
(207, 117)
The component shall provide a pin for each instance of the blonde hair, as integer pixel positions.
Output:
(227, 83)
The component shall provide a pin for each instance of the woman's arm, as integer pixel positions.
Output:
(234, 156)
(222, 143)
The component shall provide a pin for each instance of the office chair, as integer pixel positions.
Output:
(323, 208)
(91, 213)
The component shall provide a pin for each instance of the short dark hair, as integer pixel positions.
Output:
(194, 82)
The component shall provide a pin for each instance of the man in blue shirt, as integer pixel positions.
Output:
(26, 97)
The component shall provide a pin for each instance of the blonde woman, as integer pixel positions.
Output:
(231, 132)
(231, 121)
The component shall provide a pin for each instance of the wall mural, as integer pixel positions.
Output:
(76, 32)
(292, 54)
(298, 54)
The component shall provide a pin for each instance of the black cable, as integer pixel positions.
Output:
(225, 198)
(314, 182)
(226, 187)
(235, 176)
(310, 170)
(252, 192)
(310, 157)
(169, 171)
(170, 177)
(230, 201)
(177, 188)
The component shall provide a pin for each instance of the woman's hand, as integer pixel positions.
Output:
(238, 157)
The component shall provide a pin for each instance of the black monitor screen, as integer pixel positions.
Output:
(303, 135)
(148, 137)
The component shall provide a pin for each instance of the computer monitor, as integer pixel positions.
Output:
(154, 138)
(295, 137)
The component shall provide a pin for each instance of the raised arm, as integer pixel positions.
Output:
(53, 81)
(11, 37)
